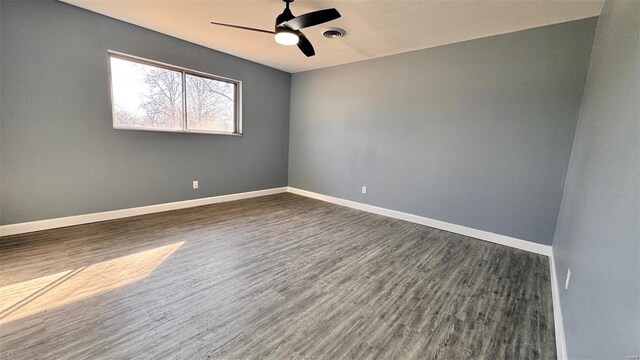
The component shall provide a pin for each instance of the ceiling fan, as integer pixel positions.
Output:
(287, 28)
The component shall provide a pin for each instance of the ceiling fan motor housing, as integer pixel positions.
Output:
(285, 16)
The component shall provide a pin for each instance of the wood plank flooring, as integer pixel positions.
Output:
(280, 277)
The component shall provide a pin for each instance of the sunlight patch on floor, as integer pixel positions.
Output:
(33, 296)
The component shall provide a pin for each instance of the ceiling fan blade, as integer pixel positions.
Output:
(244, 28)
(312, 19)
(305, 45)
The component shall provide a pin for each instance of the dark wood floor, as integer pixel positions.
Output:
(282, 277)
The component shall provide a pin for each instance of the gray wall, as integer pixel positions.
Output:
(59, 153)
(598, 233)
(477, 133)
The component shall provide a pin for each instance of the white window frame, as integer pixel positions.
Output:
(184, 71)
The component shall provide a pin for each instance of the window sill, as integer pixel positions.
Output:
(204, 132)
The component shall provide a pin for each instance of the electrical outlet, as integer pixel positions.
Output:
(364, 189)
(195, 184)
(566, 282)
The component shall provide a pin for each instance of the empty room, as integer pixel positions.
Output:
(326, 179)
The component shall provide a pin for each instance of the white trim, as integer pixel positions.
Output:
(561, 345)
(25, 227)
(458, 229)
(39, 225)
(546, 250)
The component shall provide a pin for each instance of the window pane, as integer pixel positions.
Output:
(210, 104)
(145, 96)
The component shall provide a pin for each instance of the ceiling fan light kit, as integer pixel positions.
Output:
(286, 36)
(287, 27)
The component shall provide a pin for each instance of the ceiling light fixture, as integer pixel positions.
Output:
(287, 27)
(286, 36)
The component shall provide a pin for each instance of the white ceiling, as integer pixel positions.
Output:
(374, 27)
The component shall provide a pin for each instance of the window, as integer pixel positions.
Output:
(148, 95)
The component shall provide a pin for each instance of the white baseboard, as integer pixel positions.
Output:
(39, 225)
(561, 345)
(458, 229)
(471, 232)
(26, 227)
(546, 250)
